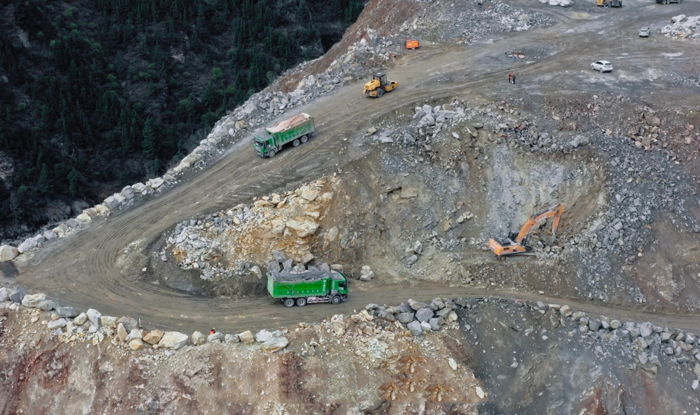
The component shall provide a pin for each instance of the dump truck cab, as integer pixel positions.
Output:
(339, 284)
(264, 144)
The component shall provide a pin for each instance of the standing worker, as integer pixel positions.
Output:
(212, 331)
(510, 78)
(513, 78)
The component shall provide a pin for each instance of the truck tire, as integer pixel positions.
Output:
(335, 300)
(301, 302)
(271, 153)
(296, 143)
(289, 302)
(304, 138)
(380, 92)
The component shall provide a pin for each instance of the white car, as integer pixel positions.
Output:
(644, 32)
(602, 66)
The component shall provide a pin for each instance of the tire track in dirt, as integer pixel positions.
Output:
(83, 270)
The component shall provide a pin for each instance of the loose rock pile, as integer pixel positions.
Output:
(418, 318)
(224, 244)
(68, 325)
(682, 27)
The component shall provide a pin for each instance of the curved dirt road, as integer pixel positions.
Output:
(83, 270)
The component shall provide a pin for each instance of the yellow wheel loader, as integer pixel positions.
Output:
(513, 244)
(379, 85)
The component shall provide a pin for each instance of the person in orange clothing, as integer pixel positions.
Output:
(212, 331)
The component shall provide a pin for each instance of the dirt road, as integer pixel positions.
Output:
(86, 271)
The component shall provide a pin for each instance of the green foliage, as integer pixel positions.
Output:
(114, 83)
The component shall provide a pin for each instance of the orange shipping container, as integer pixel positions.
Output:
(412, 44)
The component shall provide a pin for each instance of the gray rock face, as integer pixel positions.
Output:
(416, 305)
(198, 338)
(424, 314)
(67, 312)
(263, 335)
(81, 319)
(232, 338)
(415, 328)
(27, 245)
(94, 316)
(247, 337)
(134, 334)
(17, 295)
(48, 305)
(8, 253)
(405, 318)
(434, 324)
(173, 340)
(645, 329)
(57, 324)
(274, 344)
(32, 300)
(129, 323)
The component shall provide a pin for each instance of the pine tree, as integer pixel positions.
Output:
(148, 145)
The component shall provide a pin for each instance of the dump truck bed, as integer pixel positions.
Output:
(305, 284)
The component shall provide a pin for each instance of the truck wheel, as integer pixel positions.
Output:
(301, 302)
(335, 300)
(289, 302)
(304, 138)
(380, 92)
(296, 143)
(271, 153)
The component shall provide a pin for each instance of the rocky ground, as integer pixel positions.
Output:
(467, 356)
(402, 195)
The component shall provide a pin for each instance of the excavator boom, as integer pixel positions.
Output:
(555, 211)
(506, 246)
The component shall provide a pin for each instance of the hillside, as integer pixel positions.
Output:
(100, 94)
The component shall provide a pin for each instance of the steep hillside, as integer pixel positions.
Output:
(99, 94)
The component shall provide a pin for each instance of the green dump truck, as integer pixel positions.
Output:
(308, 287)
(295, 130)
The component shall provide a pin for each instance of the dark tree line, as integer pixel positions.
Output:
(111, 91)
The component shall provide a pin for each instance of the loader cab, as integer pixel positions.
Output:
(381, 77)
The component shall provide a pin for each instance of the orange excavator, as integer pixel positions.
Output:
(513, 244)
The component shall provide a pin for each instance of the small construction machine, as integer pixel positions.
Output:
(412, 44)
(514, 244)
(379, 85)
(609, 3)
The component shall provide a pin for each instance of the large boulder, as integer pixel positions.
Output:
(48, 305)
(32, 300)
(274, 344)
(215, 338)
(8, 253)
(153, 337)
(232, 338)
(247, 337)
(80, 320)
(173, 340)
(424, 314)
(4, 294)
(303, 226)
(27, 245)
(121, 332)
(415, 328)
(405, 318)
(17, 295)
(198, 338)
(129, 323)
(263, 335)
(94, 316)
(57, 324)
